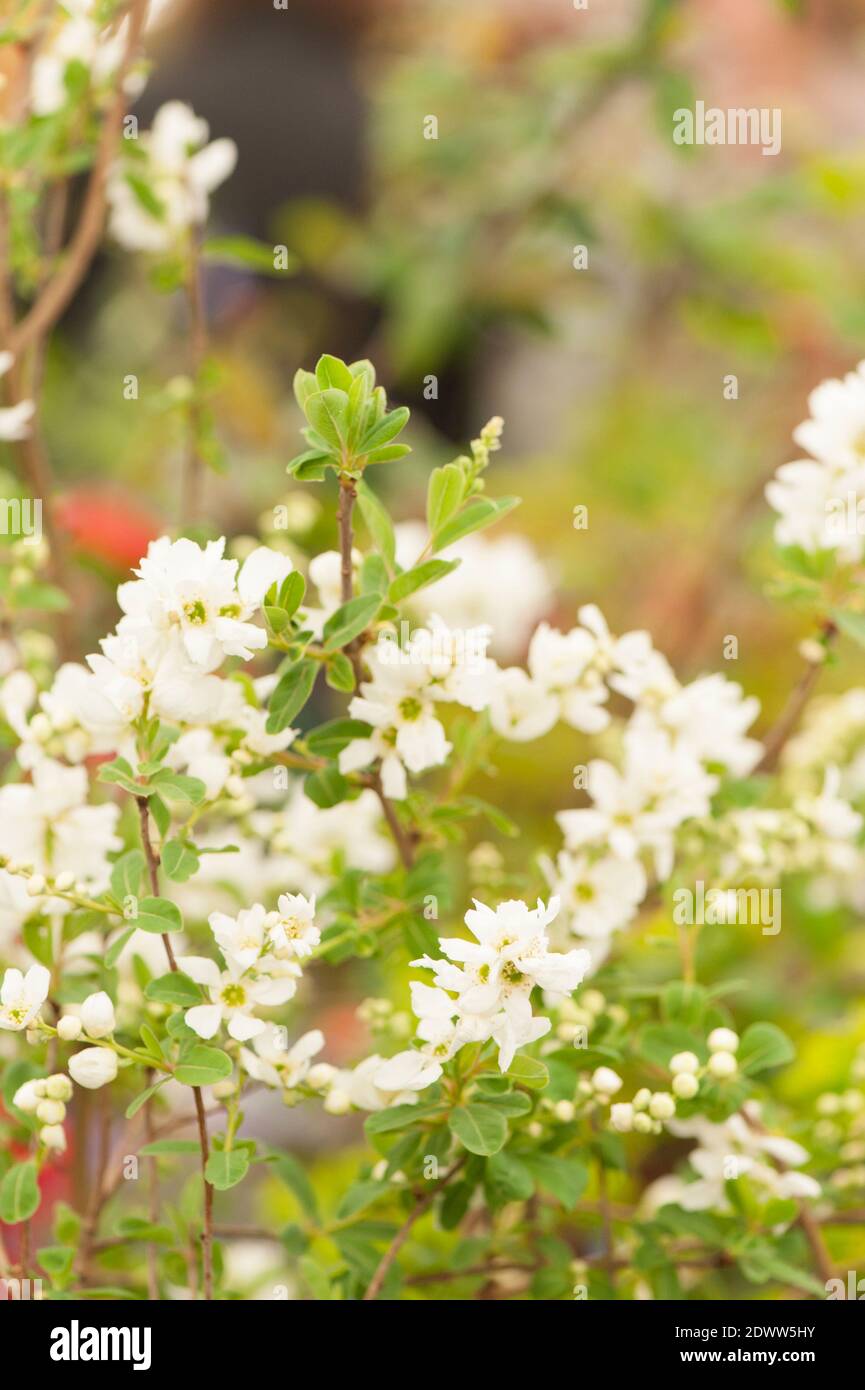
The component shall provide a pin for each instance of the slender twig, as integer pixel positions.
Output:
(402, 1235)
(59, 290)
(777, 737)
(200, 1114)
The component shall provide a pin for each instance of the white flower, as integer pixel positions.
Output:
(47, 823)
(14, 419)
(494, 979)
(272, 1063)
(406, 734)
(598, 896)
(194, 591)
(811, 501)
(561, 664)
(22, 996)
(233, 995)
(708, 719)
(97, 1015)
(835, 433)
(359, 1088)
(520, 709)
(181, 171)
(291, 929)
(407, 1071)
(93, 1067)
(242, 939)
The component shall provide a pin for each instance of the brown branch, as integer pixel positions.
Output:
(402, 1235)
(59, 290)
(775, 740)
(200, 1113)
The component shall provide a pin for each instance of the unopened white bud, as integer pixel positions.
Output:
(564, 1110)
(97, 1015)
(723, 1040)
(685, 1062)
(320, 1076)
(69, 1028)
(722, 1065)
(58, 1087)
(642, 1098)
(605, 1080)
(27, 1097)
(36, 886)
(622, 1117)
(53, 1137)
(63, 882)
(51, 1112)
(337, 1102)
(662, 1106)
(685, 1086)
(642, 1123)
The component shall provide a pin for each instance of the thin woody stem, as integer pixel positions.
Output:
(375, 1284)
(79, 254)
(200, 1114)
(776, 739)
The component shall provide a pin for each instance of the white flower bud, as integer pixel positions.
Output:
(564, 1110)
(662, 1106)
(723, 1040)
(722, 1065)
(337, 1102)
(622, 1117)
(97, 1015)
(93, 1067)
(642, 1123)
(320, 1076)
(58, 1087)
(593, 1001)
(63, 882)
(642, 1098)
(69, 1028)
(53, 1137)
(36, 886)
(685, 1062)
(605, 1080)
(27, 1097)
(685, 1086)
(51, 1112)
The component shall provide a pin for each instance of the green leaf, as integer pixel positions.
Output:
(174, 988)
(294, 1175)
(329, 739)
(174, 786)
(180, 860)
(340, 673)
(762, 1046)
(144, 1096)
(349, 620)
(291, 694)
(360, 1196)
(19, 1193)
(387, 429)
(332, 372)
(378, 523)
(565, 1178)
(158, 915)
(245, 251)
(851, 624)
(659, 1042)
(327, 787)
(56, 1260)
(162, 1148)
(226, 1169)
(528, 1071)
(444, 495)
(327, 412)
(118, 945)
(126, 874)
(479, 513)
(411, 580)
(203, 1066)
(480, 1128)
(507, 1179)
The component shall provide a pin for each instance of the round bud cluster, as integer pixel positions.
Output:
(45, 1098)
(723, 1045)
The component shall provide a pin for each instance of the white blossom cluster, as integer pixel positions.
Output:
(818, 499)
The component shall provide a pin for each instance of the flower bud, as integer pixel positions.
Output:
(337, 1102)
(93, 1067)
(53, 1137)
(723, 1040)
(58, 1087)
(642, 1123)
(622, 1117)
(685, 1086)
(63, 882)
(27, 1097)
(662, 1106)
(97, 1015)
(69, 1028)
(605, 1080)
(564, 1110)
(320, 1076)
(722, 1065)
(687, 1062)
(36, 886)
(51, 1112)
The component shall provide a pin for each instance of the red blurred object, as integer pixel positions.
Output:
(107, 527)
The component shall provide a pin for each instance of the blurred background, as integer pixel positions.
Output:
(449, 262)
